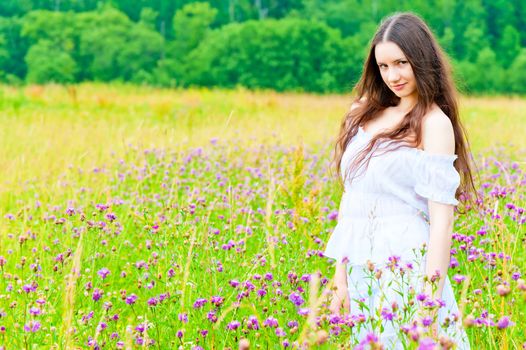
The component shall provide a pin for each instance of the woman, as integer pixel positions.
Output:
(404, 160)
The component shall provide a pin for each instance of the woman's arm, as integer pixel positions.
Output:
(340, 295)
(438, 138)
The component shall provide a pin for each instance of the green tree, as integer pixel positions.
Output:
(509, 46)
(47, 62)
(190, 26)
(517, 73)
(15, 47)
(289, 54)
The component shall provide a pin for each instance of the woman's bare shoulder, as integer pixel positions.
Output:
(438, 135)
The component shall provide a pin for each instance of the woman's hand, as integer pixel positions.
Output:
(340, 295)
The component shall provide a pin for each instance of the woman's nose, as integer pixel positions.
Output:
(393, 75)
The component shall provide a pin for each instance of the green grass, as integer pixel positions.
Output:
(208, 187)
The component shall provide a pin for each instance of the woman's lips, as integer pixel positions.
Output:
(399, 86)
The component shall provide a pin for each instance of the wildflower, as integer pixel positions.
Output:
(426, 344)
(387, 315)
(103, 273)
(270, 322)
(280, 332)
(131, 299)
(97, 294)
(459, 278)
(504, 322)
(32, 326)
(333, 215)
(217, 300)
(183, 317)
(199, 303)
(253, 323)
(35, 311)
(304, 311)
(232, 326)
(296, 299)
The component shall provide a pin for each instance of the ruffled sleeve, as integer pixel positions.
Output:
(436, 177)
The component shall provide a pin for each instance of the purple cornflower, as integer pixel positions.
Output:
(211, 316)
(304, 311)
(333, 215)
(232, 326)
(280, 332)
(103, 273)
(28, 288)
(97, 294)
(153, 301)
(131, 299)
(253, 323)
(270, 322)
(32, 326)
(217, 300)
(459, 278)
(504, 322)
(296, 299)
(427, 321)
(426, 344)
(183, 317)
(387, 314)
(199, 303)
(35, 311)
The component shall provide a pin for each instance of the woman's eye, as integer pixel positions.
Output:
(402, 62)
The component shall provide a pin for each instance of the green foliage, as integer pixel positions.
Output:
(47, 62)
(190, 25)
(509, 46)
(242, 42)
(517, 73)
(290, 54)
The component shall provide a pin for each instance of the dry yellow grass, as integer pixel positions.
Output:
(46, 130)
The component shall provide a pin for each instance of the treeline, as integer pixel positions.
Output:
(303, 45)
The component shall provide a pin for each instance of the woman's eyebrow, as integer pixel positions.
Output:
(395, 60)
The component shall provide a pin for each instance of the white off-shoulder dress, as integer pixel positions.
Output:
(383, 216)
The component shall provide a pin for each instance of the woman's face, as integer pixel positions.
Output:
(395, 69)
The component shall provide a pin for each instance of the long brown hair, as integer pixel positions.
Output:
(434, 84)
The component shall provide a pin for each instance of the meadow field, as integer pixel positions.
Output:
(138, 217)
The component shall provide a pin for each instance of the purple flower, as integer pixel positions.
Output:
(153, 301)
(387, 314)
(304, 311)
(35, 311)
(211, 316)
(253, 323)
(232, 326)
(103, 273)
(131, 299)
(459, 278)
(504, 322)
(97, 294)
(280, 332)
(179, 334)
(270, 322)
(426, 344)
(183, 317)
(333, 215)
(32, 326)
(427, 321)
(28, 288)
(296, 299)
(217, 300)
(199, 303)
